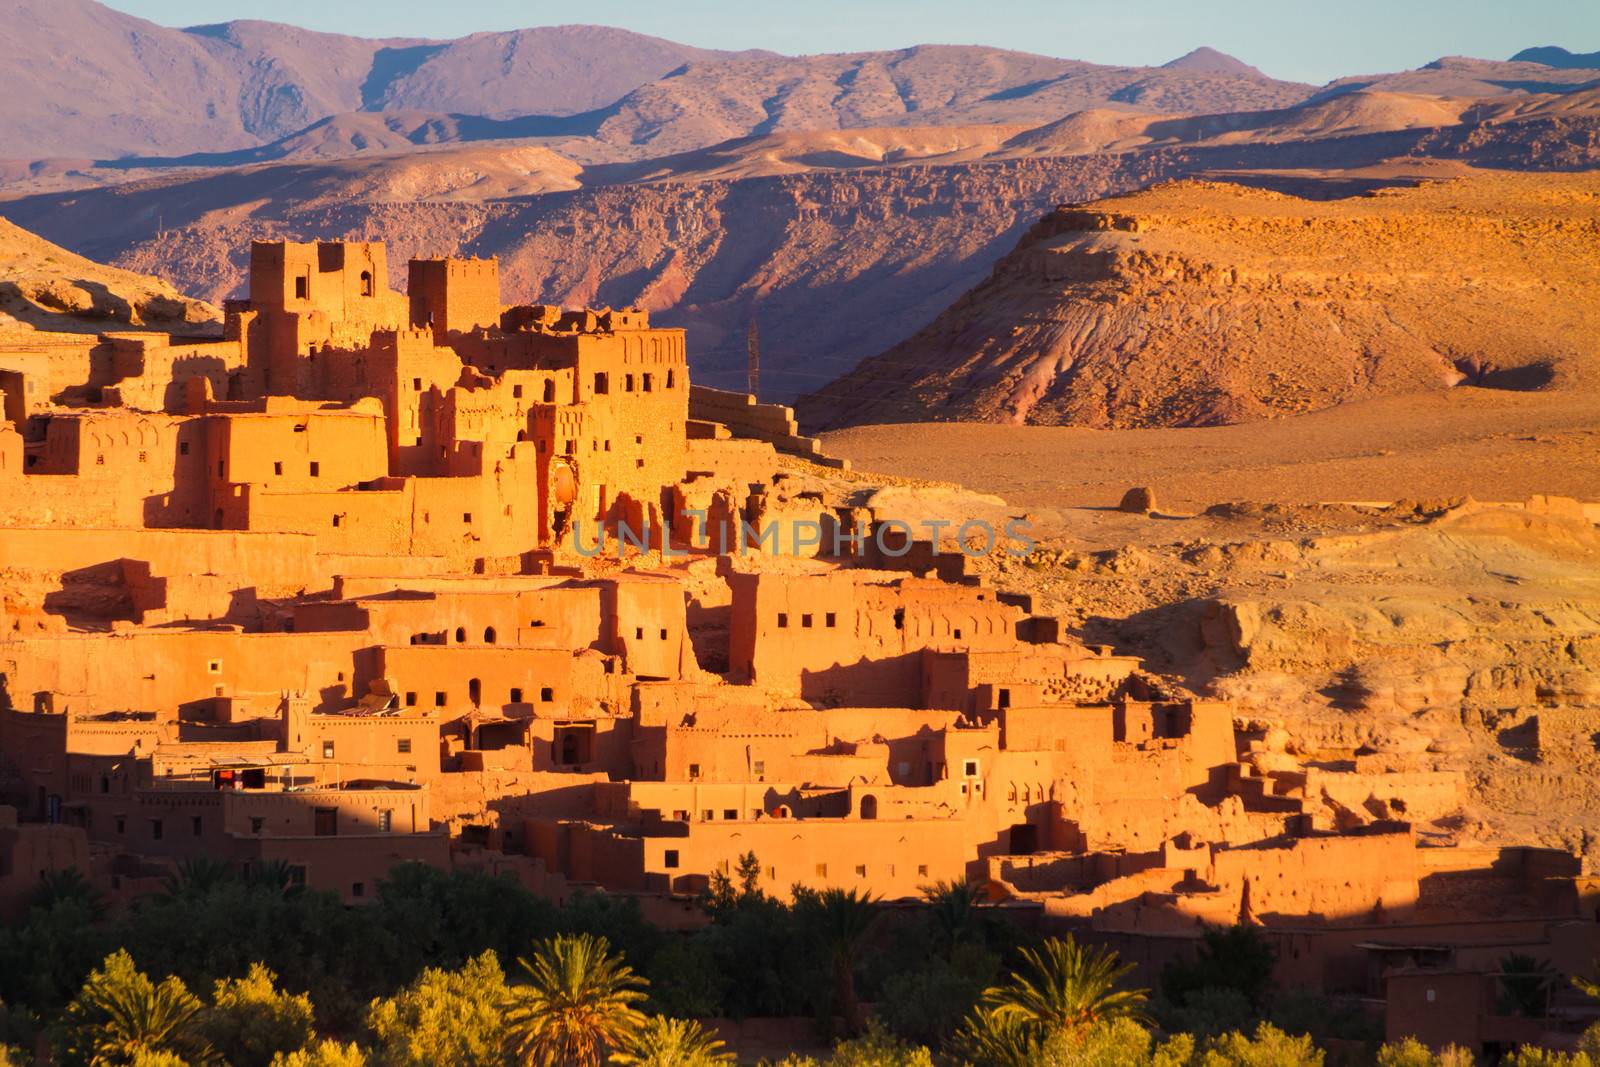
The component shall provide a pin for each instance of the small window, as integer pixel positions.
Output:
(669, 379)
(338, 520)
(302, 287)
(403, 746)
(100, 461)
(805, 621)
(327, 750)
(830, 620)
(638, 438)
(922, 870)
(608, 445)
(215, 666)
(183, 448)
(708, 816)
(196, 825)
(416, 384)
(783, 620)
(316, 469)
(516, 392)
(958, 635)
(122, 824)
(155, 829)
(461, 635)
(970, 768)
(602, 383)
(516, 696)
(861, 870)
(1005, 698)
(466, 516)
(257, 824)
(730, 814)
(670, 859)
(547, 694)
(385, 821)
(627, 383)
(694, 770)
(438, 699)
(759, 769)
(358, 889)
(411, 699)
(663, 633)
(220, 469)
(549, 392)
(144, 457)
(822, 870)
(638, 633)
(277, 467)
(647, 383)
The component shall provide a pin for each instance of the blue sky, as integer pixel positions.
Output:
(1295, 39)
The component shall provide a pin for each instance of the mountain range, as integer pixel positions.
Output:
(840, 201)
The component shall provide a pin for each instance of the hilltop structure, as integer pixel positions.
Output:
(321, 592)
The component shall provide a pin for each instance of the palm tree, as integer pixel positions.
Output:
(846, 918)
(275, 875)
(1065, 987)
(120, 1015)
(197, 876)
(576, 1001)
(67, 884)
(992, 1040)
(1525, 984)
(954, 908)
(665, 1042)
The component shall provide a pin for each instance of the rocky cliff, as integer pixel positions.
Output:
(1201, 303)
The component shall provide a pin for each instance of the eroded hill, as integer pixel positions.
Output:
(45, 287)
(1203, 303)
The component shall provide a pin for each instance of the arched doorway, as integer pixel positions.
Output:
(869, 807)
(475, 691)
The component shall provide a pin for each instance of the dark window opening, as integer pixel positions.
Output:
(783, 620)
(488, 635)
(547, 694)
(602, 383)
(327, 750)
(670, 859)
(325, 822)
(403, 746)
(549, 392)
(366, 290)
(516, 696)
(302, 287)
(830, 619)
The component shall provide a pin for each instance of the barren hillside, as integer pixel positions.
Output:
(48, 288)
(1202, 303)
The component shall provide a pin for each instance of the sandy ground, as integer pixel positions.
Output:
(1490, 444)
